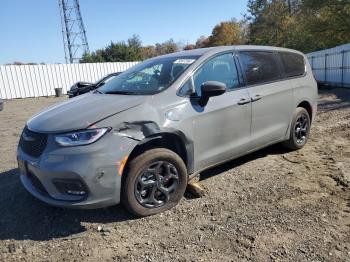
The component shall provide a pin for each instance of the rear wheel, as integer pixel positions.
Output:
(155, 181)
(300, 129)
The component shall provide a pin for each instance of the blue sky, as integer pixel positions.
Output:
(30, 30)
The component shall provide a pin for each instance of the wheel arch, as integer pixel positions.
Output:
(304, 103)
(173, 140)
(307, 106)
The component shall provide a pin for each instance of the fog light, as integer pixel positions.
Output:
(76, 193)
(71, 187)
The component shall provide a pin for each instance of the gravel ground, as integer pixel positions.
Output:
(272, 205)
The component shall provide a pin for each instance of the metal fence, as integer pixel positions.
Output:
(21, 81)
(332, 66)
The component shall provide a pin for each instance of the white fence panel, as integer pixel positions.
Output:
(332, 66)
(21, 81)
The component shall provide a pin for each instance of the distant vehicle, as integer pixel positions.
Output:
(1, 104)
(142, 136)
(80, 88)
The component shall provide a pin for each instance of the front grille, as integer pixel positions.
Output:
(37, 184)
(32, 143)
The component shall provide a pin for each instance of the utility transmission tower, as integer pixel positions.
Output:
(73, 30)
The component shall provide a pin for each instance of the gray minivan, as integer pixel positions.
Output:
(139, 138)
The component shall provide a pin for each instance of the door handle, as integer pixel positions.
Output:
(243, 101)
(256, 98)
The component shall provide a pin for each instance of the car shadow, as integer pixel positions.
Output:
(25, 218)
(276, 149)
(333, 98)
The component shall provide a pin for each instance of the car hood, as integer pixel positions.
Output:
(81, 112)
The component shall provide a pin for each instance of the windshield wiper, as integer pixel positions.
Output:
(119, 93)
(97, 91)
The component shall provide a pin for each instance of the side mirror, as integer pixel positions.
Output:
(212, 88)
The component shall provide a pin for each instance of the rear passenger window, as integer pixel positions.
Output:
(294, 64)
(259, 66)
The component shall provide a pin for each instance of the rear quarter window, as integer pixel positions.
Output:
(294, 64)
(259, 66)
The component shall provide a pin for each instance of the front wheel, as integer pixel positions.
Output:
(155, 181)
(299, 130)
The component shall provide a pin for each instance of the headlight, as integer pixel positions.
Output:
(79, 138)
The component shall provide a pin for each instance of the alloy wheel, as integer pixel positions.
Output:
(156, 183)
(301, 129)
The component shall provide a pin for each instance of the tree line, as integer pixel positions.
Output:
(305, 25)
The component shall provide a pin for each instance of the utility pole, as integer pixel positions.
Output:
(73, 31)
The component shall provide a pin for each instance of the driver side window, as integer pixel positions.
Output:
(221, 68)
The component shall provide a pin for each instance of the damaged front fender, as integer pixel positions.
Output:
(137, 130)
(147, 131)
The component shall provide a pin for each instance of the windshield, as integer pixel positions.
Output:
(105, 80)
(149, 77)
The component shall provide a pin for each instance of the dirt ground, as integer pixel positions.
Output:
(272, 205)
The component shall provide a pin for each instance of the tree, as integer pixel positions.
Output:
(135, 42)
(255, 8)
(117, 52)
(306, 25)
(149, 51)
(189, 47)
(326, 23)
(94, 57)
(23, 63)
(160, 49)
(167, 47)
(268, 22)
(132, 50)
(226, 33)
(202, 41)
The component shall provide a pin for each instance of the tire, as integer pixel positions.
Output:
(158, 173)
(299, 134)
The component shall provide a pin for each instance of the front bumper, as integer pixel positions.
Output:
(72, 93)
(94, 167)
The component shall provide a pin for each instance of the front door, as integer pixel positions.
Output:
(221, 128)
